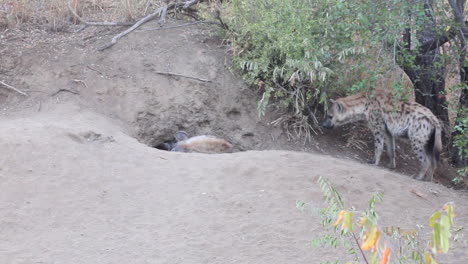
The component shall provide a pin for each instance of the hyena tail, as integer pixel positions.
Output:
(434, 146)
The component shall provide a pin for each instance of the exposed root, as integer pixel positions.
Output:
(9, 87)
(182, 25)
(295, 127)
(184, 76)
(354, 141)
(64, 90)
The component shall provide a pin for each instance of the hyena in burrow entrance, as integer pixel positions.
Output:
(388, 117)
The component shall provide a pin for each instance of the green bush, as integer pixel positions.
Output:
(297, 52)
(461, 141)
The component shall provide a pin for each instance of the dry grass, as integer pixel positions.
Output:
(54, 14)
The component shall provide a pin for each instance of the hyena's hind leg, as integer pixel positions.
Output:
(418, 146)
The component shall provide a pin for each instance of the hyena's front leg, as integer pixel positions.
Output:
(390, 144)
(378, 146)
(377, 126)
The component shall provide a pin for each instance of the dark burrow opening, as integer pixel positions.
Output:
(166, 145)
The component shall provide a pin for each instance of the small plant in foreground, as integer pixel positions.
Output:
(375, 244)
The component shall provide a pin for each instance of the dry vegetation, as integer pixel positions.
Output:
(55, 16)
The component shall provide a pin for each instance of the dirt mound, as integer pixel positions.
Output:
(80, 183)
(158, 82)
(105, 201)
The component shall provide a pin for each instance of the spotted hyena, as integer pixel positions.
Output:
(201, 144)
(388, 117)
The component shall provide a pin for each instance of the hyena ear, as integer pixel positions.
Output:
(339, 106)
(181, 136)
(332, 101)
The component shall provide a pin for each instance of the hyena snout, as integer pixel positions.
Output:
(328, 123)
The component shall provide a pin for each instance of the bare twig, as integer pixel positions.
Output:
(190, 3)
(419, 194)
(184, 76)
(359, 246)
(147, 6)
(89, 67)
(64, 90)
(181, 25)
(147, 18)
(82, 82)
(221, 22)
(162, 18)
(13, 88)
(161, 12)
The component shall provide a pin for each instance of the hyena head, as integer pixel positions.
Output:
(340, 114)
(180, 136)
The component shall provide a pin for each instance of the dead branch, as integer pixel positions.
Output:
(64, 90)
(419, 194)
(217, 16)
(184, 76)
(89, 67)
(147, 18)
(162, 18)
(82, 82)
(192, 13)
(181, 25)
(190, 3)
(161, 12)
(13, 88)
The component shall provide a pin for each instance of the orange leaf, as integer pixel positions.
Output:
(372, 239)
(363, 221)
(385, 256)
(340, 218)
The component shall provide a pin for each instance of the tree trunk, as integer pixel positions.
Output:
(426, 72)
(458, 8)
(427, 76)
(458, 160)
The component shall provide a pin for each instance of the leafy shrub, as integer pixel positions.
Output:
(298, 51)
(461, 141)
(382, 244)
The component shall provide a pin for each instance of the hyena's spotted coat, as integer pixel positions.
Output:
(387, 118)
(201, 144)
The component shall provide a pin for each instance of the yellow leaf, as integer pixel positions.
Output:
(435, 240)
(372, 239)
(429, 259)
(340, 218)
(364, 237)
(434, 218)
(363, 221)
(449, 209)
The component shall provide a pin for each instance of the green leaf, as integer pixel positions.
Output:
(434, 218)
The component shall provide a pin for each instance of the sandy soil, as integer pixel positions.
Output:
(80, 183)
(76, 189)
